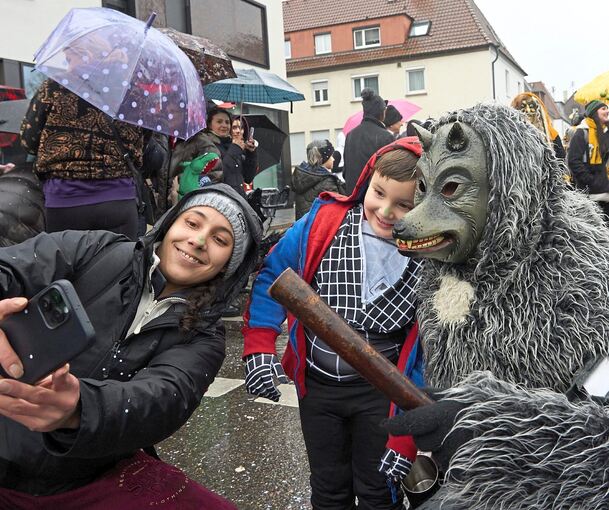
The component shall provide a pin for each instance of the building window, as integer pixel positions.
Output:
(323, 44)
(287, 49)
(366, 37)
(323, 134)
(519, 87)
(320, 92)
(243, 32)
(362, 82)
(176, 15)
(415, 81)
(419, 28)
(507, 83)
(126, 6)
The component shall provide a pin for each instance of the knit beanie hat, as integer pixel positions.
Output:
(392, 115)
(323, 148)
(233, 212)
(373, 104)
(592, 107)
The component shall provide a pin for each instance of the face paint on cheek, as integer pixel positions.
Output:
(387, 211)
(201, 241)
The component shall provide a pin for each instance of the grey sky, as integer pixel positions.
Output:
(559, 42)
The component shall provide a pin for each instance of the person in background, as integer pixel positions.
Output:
(315, 175)
(589, 154)
(537, 114)
(86, 182)
(364, 140)
(575, 119)
(393, 120)
(75, 440)
(345, 250)
(239, 158)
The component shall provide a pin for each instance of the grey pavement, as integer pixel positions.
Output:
(247, 449)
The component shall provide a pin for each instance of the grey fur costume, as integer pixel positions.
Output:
(531, 306)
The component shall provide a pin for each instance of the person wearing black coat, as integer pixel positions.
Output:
(588, 154)
(239, 157)
(364, 140)
(315, 175)
(155, 306)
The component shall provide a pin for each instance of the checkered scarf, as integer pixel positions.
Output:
(338, 280)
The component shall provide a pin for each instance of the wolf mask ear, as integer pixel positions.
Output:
(425, 137)
(457, 139)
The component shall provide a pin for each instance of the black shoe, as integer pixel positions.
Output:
(231, 311)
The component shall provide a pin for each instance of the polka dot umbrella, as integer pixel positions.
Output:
(127, 69)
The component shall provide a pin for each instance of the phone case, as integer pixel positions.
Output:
(41, 347)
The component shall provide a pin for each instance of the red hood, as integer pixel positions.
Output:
(362, 183)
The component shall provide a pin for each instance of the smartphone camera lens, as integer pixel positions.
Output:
(45, 303)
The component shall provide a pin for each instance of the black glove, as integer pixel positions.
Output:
(260, 369)
(429, 426)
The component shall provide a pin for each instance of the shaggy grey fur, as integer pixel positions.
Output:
(540, 309)
(533, 450)
(540, 273)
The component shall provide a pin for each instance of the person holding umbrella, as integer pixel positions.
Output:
(87, 184)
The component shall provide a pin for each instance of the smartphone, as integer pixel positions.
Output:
(251, 133)
(52, 330)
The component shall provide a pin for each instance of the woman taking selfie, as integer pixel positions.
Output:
(76, 439)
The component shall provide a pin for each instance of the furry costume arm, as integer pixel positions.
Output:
(532, 449)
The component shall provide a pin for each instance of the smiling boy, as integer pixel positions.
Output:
(344, 248)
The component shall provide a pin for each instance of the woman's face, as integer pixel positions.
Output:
(196, 248)
(220, 124)
(603, 114)
(237, 130)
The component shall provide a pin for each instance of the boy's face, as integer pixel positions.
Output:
(386, 201)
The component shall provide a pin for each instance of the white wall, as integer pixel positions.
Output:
(505, 92)
(451, 81)
(25, 24)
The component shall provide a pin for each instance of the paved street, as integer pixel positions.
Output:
(249, 450)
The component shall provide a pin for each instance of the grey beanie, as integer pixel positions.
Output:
(372, 103)
(232, 211)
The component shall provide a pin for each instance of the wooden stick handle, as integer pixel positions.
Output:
(299, 298)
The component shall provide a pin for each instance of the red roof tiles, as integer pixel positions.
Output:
(456, 25)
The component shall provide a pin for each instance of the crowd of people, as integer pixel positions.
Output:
(158, 238)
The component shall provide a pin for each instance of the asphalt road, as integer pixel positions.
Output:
(248, 450)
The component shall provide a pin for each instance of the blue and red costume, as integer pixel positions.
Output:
(302, 248)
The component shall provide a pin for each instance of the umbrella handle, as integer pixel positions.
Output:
(150, 21)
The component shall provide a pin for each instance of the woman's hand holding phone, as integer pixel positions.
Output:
(50, 404)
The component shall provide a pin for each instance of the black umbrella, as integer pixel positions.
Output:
(269, 137)
(11, 115)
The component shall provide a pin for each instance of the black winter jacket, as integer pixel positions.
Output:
(134, 391)
(361, 143)
(308, 182)
(592, 178)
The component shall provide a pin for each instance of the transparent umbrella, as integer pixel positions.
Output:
(127, 69)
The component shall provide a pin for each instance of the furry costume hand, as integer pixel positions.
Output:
(430, 427)
(259, 372)
(395, 466)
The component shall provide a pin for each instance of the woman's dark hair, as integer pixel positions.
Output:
(201, 297)
(603, 141)
(211, 113)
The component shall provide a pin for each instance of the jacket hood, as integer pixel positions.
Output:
(361, 186)
(238, 280)
(306, 176)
